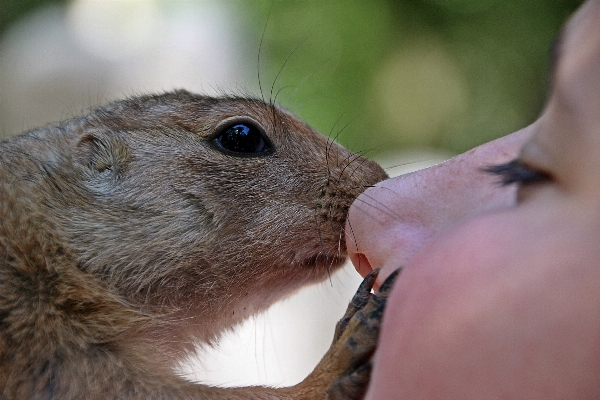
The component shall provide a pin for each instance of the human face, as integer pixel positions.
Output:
(499, 297)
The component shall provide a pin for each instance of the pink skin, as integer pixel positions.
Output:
(500, 295)
(390, 224)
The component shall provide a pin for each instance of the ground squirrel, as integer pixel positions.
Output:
(159, 221)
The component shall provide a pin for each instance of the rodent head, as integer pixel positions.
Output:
(180, 199)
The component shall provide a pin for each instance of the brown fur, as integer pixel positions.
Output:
(126, 236)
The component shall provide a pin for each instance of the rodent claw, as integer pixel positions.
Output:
(359, 300)
(387, 285)
(357, 333)
(362, 293)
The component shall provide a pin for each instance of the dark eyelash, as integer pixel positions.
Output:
(516, 172)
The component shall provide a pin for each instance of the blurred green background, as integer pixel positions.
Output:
(384, 75)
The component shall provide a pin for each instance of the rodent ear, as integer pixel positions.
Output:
(103, 153)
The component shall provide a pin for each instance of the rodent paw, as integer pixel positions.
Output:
(345, 370)
(356, 337)
(359, 300)
(352, 386)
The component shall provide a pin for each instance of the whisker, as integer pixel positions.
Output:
(344, 127)
(353, 238)
(279, 91)
(378, 205)
(350, 159)
(405, 164)
(357, 168)
(283, 67)
(330, 143)
(327, 160)
(305, 79)
(364, 152)
(329, 268)
(262, 36)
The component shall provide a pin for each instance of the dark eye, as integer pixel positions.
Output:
(244, 139)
